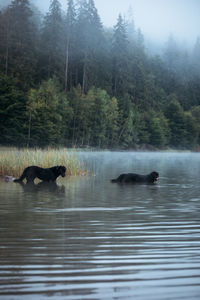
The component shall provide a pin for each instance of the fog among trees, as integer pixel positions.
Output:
(65, 79)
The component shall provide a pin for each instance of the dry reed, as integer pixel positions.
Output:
(14, 161)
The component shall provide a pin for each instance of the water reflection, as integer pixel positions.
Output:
(85, 238)
(51, 187)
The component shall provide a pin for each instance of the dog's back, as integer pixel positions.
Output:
(136, 178)
(44, 174)
(126, 178)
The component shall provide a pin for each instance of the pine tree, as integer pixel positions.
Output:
(18, 49)
(52, 43)
(100, 117)
(175, 115)
(89, 41)
(12, 112)
(48, 115)
(82, 28)
(5, 40)
(112, 124)
(131, 30)
(120, 58)
(191, 131)
(157, 128)
(172, 63)
(70, 41)
(196, 57)
(96, 45)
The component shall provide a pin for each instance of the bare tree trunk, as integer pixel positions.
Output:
(84, 81)
(29, 130)
(7, 44)
(49, 65)
(66, 66)
(6, 63)
(74, 125)
(84, 78)
(121, 132)
(115, 91)
(76, 76)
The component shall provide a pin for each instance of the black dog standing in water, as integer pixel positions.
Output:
(136, 178)
(47, 174)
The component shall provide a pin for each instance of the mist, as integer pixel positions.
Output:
(156, 18)
(120, 87)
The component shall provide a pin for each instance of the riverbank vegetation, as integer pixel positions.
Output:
(66, 80)
(14, 161)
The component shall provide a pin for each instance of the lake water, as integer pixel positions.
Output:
(86, 238)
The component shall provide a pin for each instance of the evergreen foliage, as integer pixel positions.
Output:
(67, 80)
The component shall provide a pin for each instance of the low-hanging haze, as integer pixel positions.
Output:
(156, 18)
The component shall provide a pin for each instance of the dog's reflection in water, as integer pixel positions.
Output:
(51, 187)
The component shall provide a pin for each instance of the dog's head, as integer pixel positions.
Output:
(61, 170)
(154, 176)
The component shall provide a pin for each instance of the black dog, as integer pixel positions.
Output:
(136, 178)
(48, 174)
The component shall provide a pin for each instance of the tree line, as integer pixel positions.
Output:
(65, 79)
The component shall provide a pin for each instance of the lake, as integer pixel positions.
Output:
(87, 238)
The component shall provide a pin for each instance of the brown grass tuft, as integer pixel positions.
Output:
(14, 161)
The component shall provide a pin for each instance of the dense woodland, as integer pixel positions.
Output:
(65, 80)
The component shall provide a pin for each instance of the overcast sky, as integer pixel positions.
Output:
(156, 18)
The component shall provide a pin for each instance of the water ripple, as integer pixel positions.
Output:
(96, 240)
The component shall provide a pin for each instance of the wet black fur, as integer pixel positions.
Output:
(136, 178)
(47, 174)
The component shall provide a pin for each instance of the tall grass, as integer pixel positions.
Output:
(13, 161)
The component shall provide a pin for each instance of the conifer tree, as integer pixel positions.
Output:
(96, 45)
(120, 58)
(196, 57)
(18, 42)
(89, 41)
(12, 112)
(52, 42)
(70, 41)
(48, 114)
(175, 114)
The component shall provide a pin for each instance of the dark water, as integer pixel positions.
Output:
(89, 239)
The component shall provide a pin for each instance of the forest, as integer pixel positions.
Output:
(67, 80)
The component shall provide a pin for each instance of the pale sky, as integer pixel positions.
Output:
(156, 18)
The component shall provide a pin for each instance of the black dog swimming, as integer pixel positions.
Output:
(47, 174)
(136, 178)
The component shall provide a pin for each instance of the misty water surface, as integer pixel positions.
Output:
(86, 238)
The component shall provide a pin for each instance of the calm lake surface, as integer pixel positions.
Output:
(86, 238)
